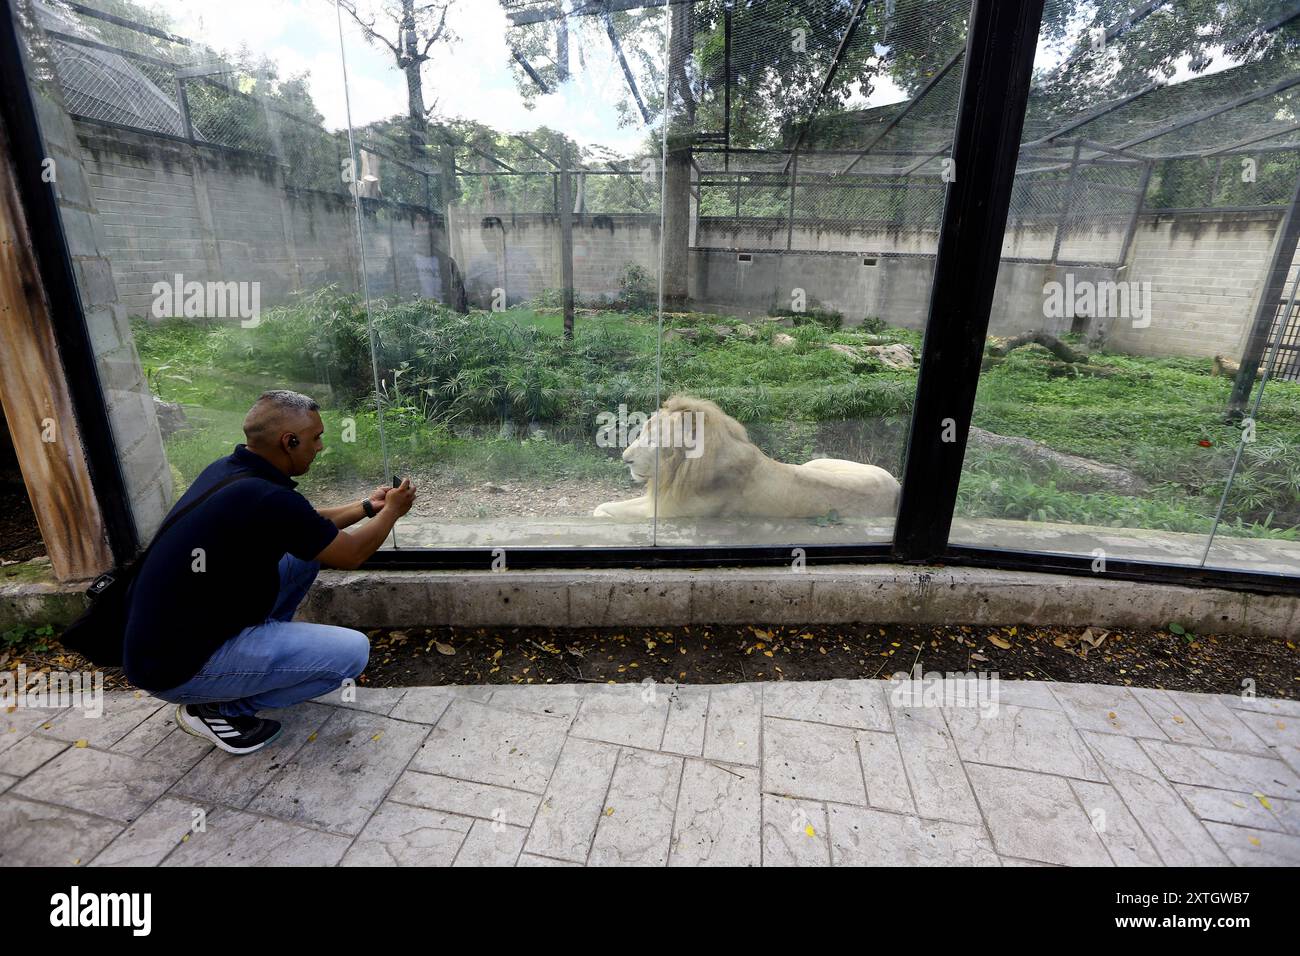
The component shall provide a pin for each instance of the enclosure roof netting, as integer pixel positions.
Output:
(1164, 80)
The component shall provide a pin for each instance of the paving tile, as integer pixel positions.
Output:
(938, 782)
(234, 780)
(574, 800)
(17, 722)
(845, 703)
(511, 807)
(154, 834)
(862, 837)
(149, 733)
(688, 712)
(635, 826)
(812, 761)
(486, 744)
(421, 705)
(795, 832)
(1171, 716)
(7, 780)
(1026, 693)
(627, 714)
(1025, 739)
(398, 835)
(549, 700)
(1091, 706)
(1223, 769)
(491, 844)
(532, 859)
(1177, 835)
(1288, 755)
(123, 712)
(29, 754)
(732, 732)
(95, 781)
(237, 838)
(1222, 725)
(37, 834)
(1012, 861)
(1247, 847)
(373, 700)
(336, 781)
(1119, 831)
(1242, 809)
(882, 769)
(181, 749)
(718, 816)
(1274, 729)
(1036, 816)
(1263, 705)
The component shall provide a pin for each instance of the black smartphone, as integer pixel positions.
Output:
(397, 482)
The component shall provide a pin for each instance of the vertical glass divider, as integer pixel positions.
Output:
(361, 250)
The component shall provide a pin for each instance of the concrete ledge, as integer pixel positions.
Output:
(820, 595)
(829, 594)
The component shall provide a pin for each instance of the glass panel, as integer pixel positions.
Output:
(197, 158)
(1157, 158)
(518, 161)
(811, 144)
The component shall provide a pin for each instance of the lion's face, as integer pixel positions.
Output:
(640, 451)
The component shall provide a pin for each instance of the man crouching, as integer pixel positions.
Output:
(210, 626)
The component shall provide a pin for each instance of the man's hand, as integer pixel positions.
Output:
(377, 497)
(399, 499)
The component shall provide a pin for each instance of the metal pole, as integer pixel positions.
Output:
(990, 119)
(1064, 217)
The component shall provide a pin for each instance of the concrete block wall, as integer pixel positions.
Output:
(1206, 271)
(126, 393)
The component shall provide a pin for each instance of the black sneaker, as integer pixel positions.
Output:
(235, 735)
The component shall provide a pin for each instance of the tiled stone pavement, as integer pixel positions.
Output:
(811, 773)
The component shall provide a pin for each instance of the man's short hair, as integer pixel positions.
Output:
(270, 411)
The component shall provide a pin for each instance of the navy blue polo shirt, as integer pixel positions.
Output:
(179, 615)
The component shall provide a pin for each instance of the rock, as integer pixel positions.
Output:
(171, 417)
(689, 335)
(493, 489)
(723, 330)
(782, 340)
(746, 331)
(896, 356)
(507, 430)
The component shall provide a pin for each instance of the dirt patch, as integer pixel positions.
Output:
(440, 497)
(730, 654)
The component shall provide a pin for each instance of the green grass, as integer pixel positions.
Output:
(449, 382)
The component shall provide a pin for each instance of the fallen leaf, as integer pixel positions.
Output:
(1254, 841)
(609, 811)
(999, 642)
(311, 738)
(979, 657)
(445, 648)
(809, 830)
(1111, 715)
(1263, 800)
(82, 744)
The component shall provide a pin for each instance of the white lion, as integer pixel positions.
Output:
(731, 476)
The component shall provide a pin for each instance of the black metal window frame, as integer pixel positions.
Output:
(1001, 42)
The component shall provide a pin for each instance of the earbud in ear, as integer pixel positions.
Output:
(293, 441)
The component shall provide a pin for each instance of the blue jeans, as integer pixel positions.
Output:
(279, 662)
